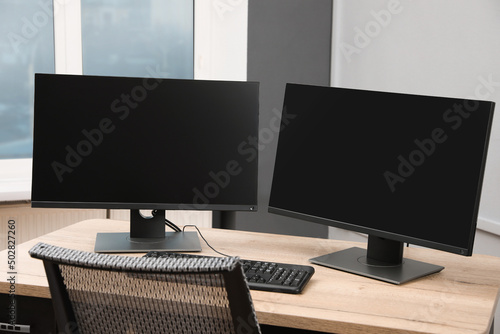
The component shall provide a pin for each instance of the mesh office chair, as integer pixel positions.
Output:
(102, 293)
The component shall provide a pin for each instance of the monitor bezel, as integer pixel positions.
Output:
(190, 205)
(143, 206)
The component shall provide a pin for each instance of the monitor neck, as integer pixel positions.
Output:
(147, 226)
(385, 251)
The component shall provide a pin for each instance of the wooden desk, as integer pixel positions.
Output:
(460, 299)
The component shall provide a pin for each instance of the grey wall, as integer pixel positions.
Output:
(288, 41)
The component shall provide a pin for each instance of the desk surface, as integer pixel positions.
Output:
(460, 299)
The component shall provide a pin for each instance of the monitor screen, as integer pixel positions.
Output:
(401, 168)
(144, 143)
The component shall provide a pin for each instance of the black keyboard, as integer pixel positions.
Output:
(261, 275)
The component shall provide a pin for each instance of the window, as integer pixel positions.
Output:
(152, 38)
(26, 47)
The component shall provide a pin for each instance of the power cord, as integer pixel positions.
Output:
(172, 225)
(176, 228)
(201, 235)
(168, 222)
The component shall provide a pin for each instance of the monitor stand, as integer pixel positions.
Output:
(147, 234)
(383, 260)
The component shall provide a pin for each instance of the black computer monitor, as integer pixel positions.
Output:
(145, 143)
(401, 168)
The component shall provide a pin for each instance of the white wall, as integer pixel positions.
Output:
(433, 47)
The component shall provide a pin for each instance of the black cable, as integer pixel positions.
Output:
(201, 235)
(168, 222)
(172, 225)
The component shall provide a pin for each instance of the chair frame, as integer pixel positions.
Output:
(238, 294)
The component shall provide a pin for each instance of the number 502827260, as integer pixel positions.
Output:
(11, 245)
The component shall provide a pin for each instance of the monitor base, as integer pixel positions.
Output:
(354, 260)
(123, 243)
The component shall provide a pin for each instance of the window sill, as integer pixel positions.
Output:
(488, 225)
(14, 193)
(15, 180)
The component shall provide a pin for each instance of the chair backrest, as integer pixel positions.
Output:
(102, 293)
